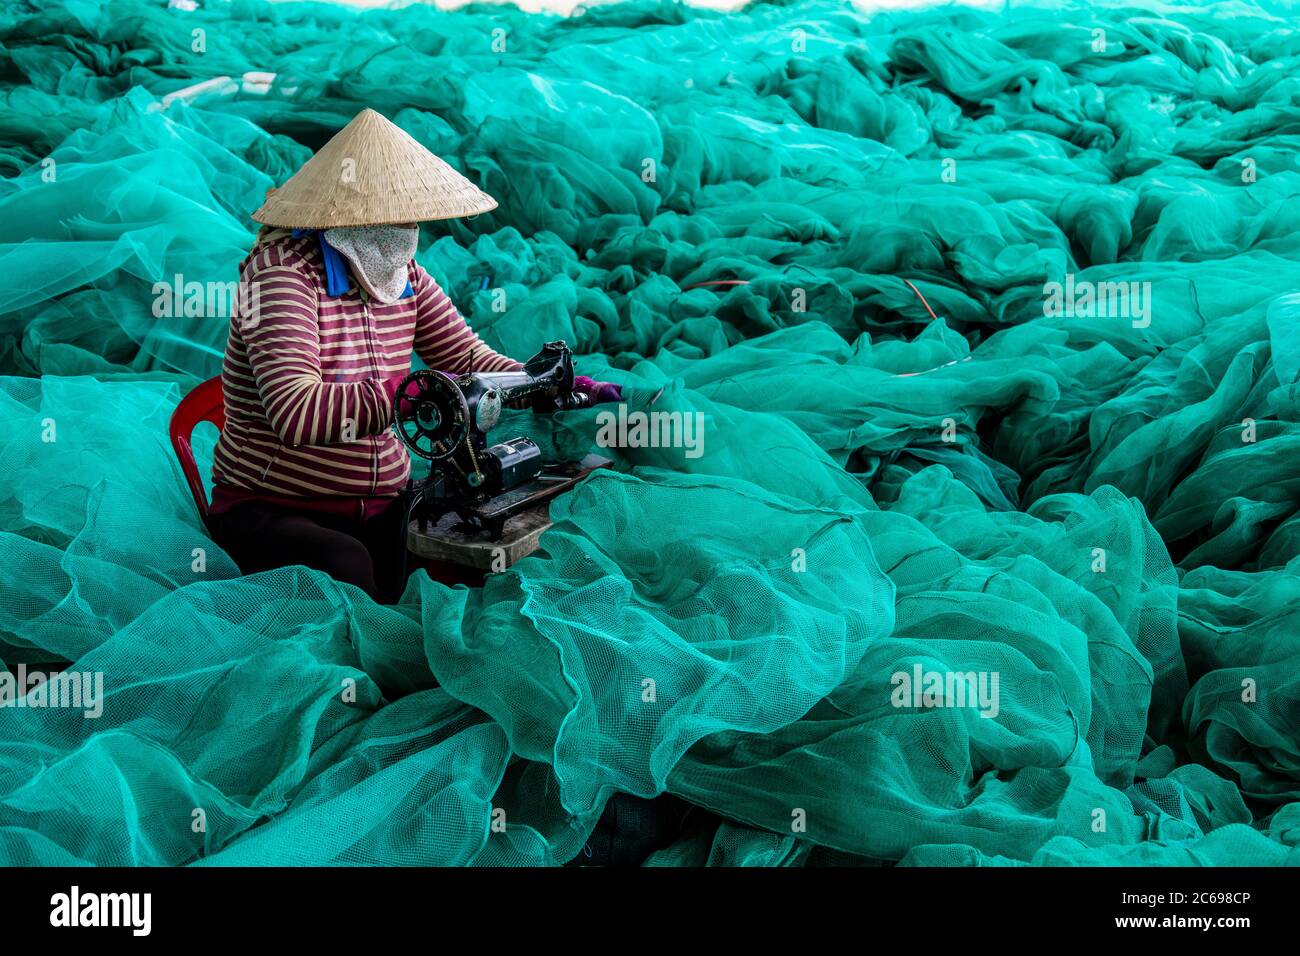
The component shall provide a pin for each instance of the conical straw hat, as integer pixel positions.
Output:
(371, 173)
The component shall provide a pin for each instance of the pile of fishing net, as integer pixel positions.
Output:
(1075, 483)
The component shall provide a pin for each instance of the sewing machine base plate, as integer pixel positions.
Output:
(447, 543)
(524, 514)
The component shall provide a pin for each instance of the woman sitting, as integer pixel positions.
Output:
(307, 470)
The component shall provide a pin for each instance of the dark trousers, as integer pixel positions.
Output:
(369, 553)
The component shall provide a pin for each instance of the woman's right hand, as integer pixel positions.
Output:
(390, 387)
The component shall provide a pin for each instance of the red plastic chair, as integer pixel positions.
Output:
(204, 404)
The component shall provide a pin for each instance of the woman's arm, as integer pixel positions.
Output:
(443, 340)
(283, 342)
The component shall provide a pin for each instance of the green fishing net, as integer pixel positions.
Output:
(1004, 387)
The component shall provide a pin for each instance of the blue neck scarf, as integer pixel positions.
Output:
(337, 274)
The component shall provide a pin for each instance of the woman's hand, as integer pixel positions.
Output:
(390, 386)
(590, 392)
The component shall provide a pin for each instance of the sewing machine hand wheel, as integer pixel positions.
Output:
(430, 414)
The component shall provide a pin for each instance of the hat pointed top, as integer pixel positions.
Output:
(371, 173)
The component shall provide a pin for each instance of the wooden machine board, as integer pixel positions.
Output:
(442, 542)
(445, 547)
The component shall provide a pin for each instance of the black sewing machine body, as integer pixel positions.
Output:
(446, 421)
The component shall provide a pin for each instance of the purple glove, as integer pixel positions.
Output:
(594, 392)
(390, 386)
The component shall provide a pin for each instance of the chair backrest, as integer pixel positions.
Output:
(203, 404)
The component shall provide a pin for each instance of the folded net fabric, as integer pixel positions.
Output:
(1093, 504)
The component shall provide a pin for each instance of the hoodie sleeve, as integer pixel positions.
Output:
(282, 338)
(443, 340)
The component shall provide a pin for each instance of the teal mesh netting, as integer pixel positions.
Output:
(1092, 505)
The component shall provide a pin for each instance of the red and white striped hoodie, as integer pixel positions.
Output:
(307, 411)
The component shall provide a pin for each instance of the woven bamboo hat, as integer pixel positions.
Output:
(371, 173)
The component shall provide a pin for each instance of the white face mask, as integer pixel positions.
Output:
(378, 257)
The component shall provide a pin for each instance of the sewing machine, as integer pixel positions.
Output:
(474, 490)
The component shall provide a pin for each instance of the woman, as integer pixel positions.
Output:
(307, 470)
